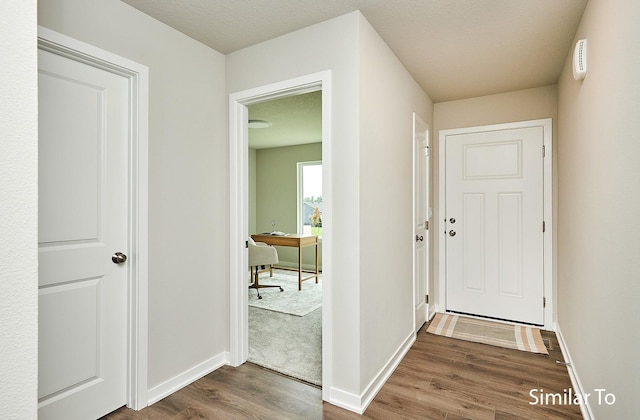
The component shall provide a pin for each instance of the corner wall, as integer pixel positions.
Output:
(333, 46)
(388, 98)
(362, 351)
(599, 227)
(19, 211)
(188, 239)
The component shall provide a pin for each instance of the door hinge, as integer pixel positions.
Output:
(544, 302)
(426, 151)
(246, 244)
(544, 227)
(544, 151)
(426, 298)
(426, 225)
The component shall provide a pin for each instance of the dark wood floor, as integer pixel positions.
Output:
(440, 378)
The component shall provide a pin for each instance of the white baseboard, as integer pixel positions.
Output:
(178, 382)
(345, 400)
(585, 408)
(359, 404)
(431, 312)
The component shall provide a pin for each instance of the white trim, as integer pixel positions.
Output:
(585, 408)
(138, 212)
(359, 403)
(422, 307)
(383, 375)
(187, 377)
(549, 280)
(238, 212)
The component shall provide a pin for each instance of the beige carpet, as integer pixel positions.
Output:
(510, 336)
(291, 301)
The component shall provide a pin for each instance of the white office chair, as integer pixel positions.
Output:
(261, 255)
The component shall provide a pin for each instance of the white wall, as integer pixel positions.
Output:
(365, 335)
(18, 210)
(188, 239)
(332, 45)
(599, 227)
(388, 98)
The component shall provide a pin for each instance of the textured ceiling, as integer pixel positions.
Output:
(454, 49)
(294, 120)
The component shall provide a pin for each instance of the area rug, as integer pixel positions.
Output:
(510, 336)
(291, 345)
(291, 301)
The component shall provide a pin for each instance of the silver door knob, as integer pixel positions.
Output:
(452, 233)
(452, 220)
(118, 258)
(419, 238)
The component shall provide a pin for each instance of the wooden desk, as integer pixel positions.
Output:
(296, 241)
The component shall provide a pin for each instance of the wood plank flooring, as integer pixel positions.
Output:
(440, 378)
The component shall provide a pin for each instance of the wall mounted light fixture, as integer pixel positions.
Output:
(259, 124)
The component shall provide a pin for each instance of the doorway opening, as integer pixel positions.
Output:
(239, 104)
(285, 200)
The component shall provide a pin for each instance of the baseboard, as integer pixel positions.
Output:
(431, 312)
(359, 404)
(346, 400)
(585, 408)
(178, 382)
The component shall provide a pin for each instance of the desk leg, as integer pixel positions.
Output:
(316, 262)
(299, 268)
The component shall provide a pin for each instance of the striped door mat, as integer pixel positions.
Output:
(510, 336)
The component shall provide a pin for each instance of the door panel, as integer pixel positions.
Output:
(83, 205)
(421, 215)
(81, 148)
(494, 214)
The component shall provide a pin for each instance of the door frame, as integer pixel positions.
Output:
(424, 306)
(137, 236)
(549, 286)
(239, 212)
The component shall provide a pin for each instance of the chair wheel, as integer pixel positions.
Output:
(259, 297)
(281, 289)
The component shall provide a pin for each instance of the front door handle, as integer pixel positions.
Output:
(419, 238)
(452, 233)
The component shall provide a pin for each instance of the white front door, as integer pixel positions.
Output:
(494, 224)
(421, 219)
(83, 211)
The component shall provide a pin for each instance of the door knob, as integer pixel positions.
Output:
(419, 238)
(452, 220)
(452, 233)
(118, 258)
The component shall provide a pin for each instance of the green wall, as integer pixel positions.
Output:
(273, 174)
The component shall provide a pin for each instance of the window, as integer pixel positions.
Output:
(310, 198)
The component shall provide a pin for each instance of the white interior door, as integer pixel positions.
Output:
(83, 212)
(421, 219)
(494, 224)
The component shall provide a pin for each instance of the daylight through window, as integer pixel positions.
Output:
(310, 198)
